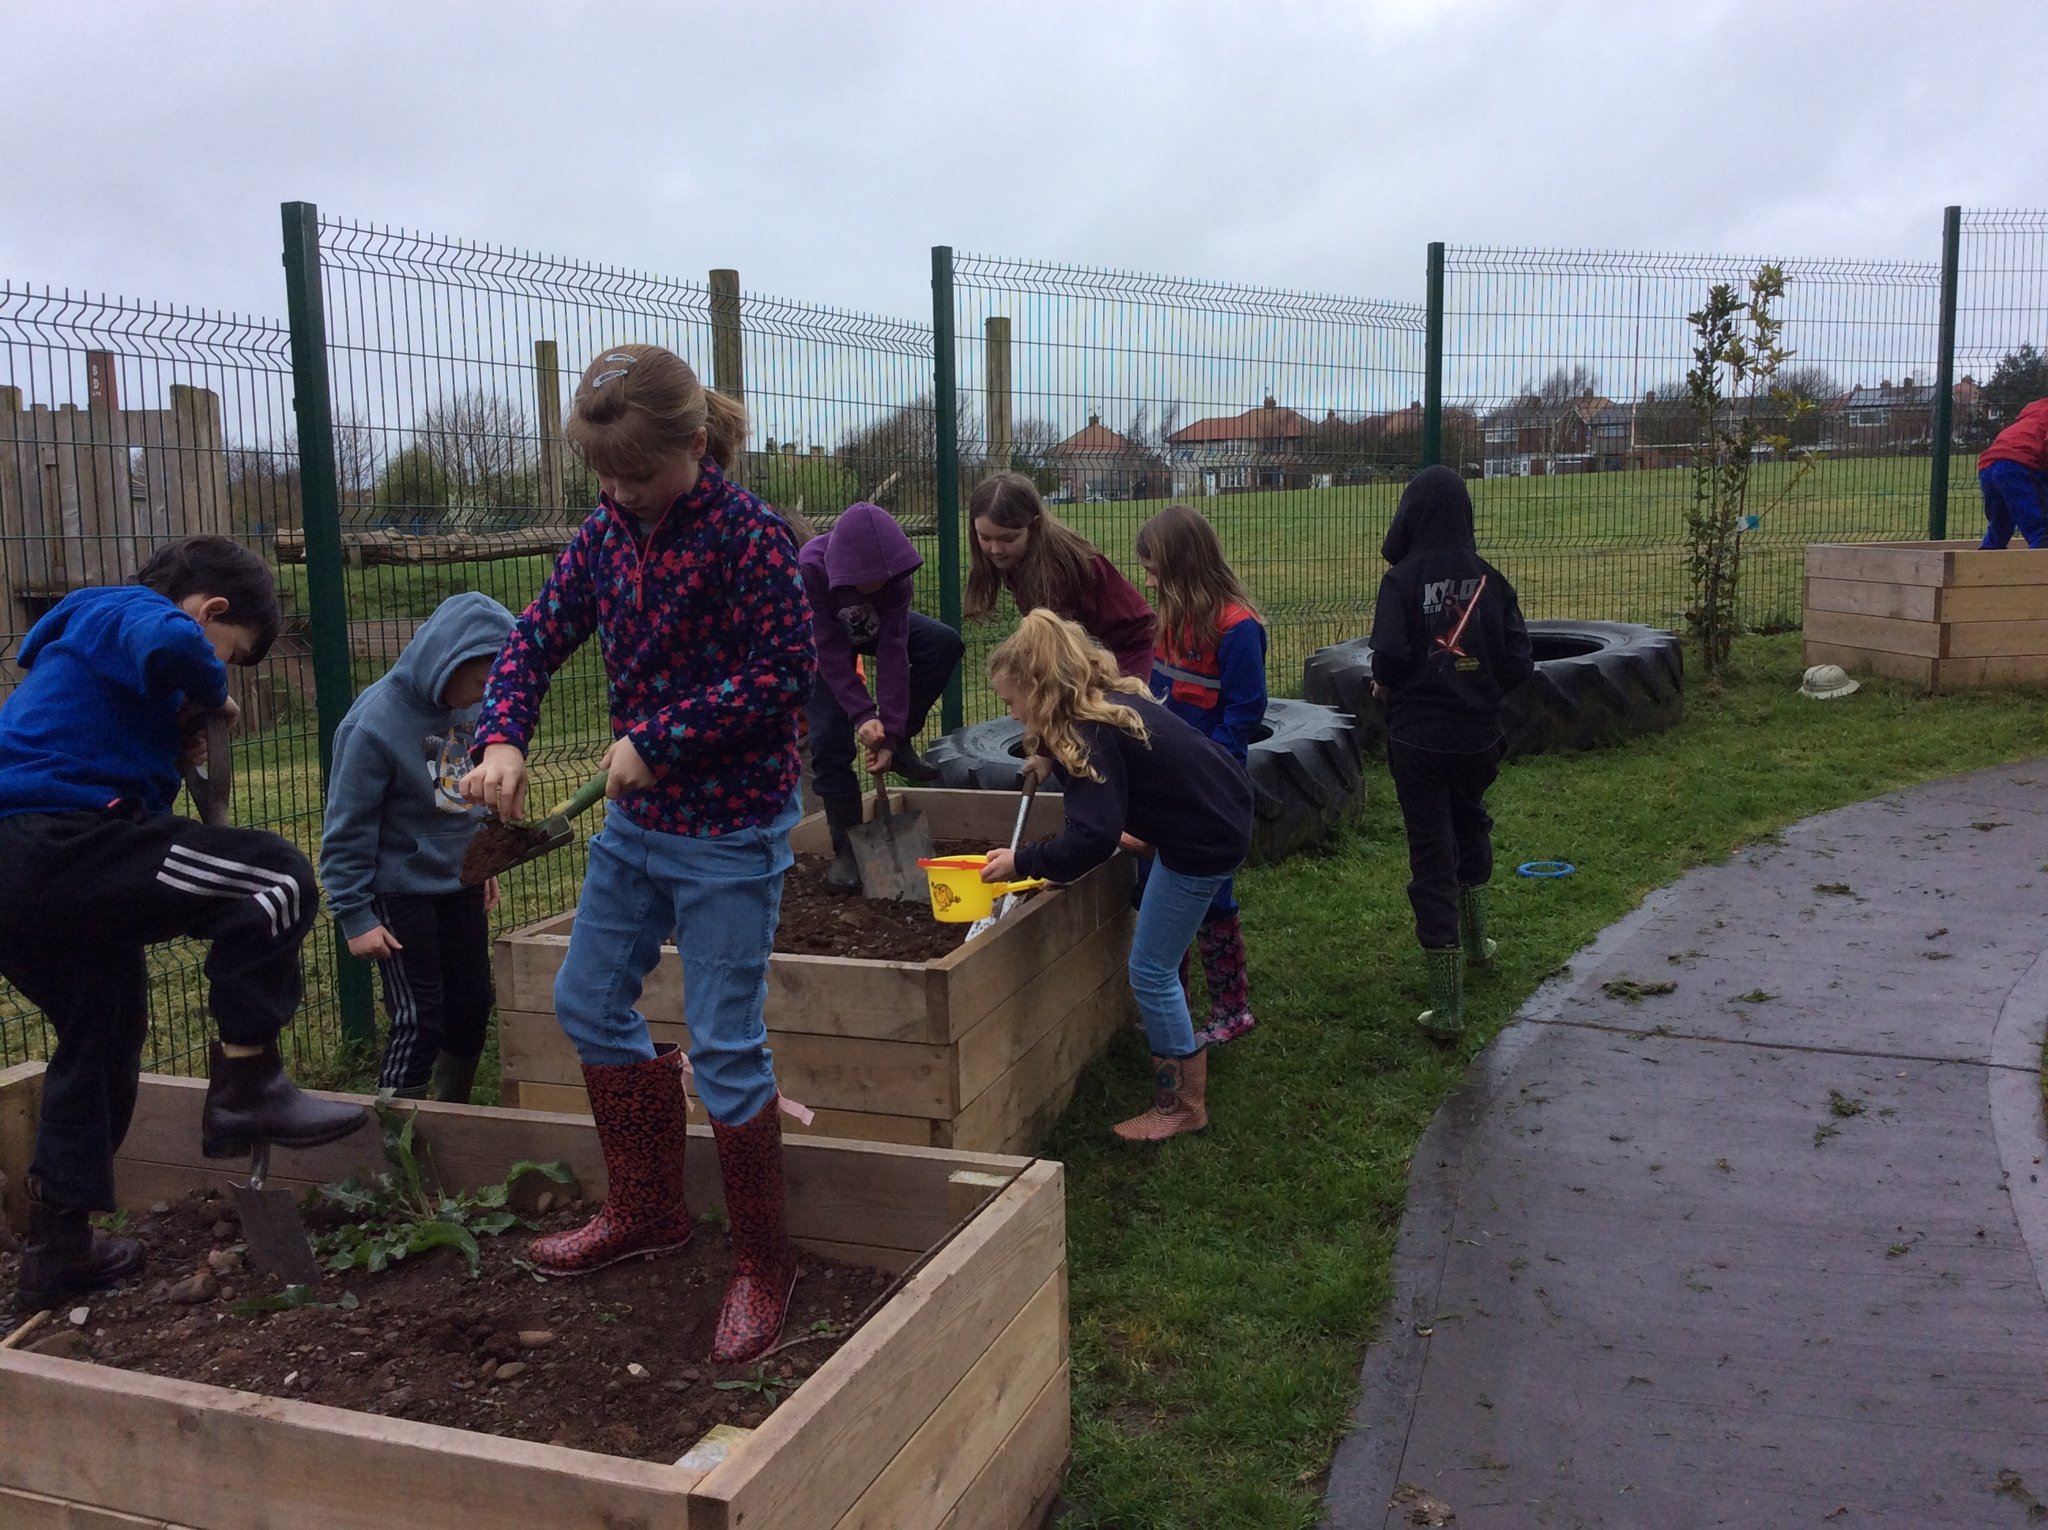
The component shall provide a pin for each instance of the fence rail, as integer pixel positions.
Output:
(1550, 377)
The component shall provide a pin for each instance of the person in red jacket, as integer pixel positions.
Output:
(1022, 547)
(2013, 473)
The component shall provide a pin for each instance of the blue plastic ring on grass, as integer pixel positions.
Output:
(1545, 869)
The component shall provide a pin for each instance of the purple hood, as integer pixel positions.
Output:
(864, 545)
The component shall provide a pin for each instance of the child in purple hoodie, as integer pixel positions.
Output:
(858, 576)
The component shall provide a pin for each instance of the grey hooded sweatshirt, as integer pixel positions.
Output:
(396, 819)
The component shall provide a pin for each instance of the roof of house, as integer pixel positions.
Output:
(1907, 395)
(1270, 421)
(1094, 440)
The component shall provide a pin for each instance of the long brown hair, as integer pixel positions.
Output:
(1058, 563)
(636, 404)
(1192, 581)
(1067, 678)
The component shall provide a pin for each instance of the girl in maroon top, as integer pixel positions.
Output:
(1020, 546)
(690, 586)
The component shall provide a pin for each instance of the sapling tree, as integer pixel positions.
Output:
(1740, 411)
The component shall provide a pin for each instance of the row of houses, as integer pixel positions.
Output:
(1275, 447)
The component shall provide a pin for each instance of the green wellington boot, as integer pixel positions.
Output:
(1479, 951)
(1445, 1017)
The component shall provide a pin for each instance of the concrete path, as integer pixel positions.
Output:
(1765, 1251)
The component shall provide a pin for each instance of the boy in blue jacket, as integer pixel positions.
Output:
(391, 852)
(94, 868)
(859, 578)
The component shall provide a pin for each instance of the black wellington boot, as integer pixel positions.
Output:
(249, 1100)
(454, 1077)
(912, 766)
(66, 1256)
(842, 814)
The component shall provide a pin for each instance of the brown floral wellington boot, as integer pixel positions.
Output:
(1180, 1101)
(643, 1128)
(763, 1259)
(1223, 966)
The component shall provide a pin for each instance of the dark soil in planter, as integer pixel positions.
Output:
(816, 921)
(612, 1362)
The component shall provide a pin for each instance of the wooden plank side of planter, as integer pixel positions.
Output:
(201, 1448)
(858, 1193)
(2013, 669)
(817, 1453)
(890, 1078)
(1971, 567)
(934, 1469)
(1856, 597)
(1881, 634)
(36, 1511)
(866, 1126)
(1020, 1022)
(1914, 669)
(1880, 562)
(829, 995)
(1996, 640)
(21, 1098)
(1994, 602)
(1021, 1105)
(1033, 939)
(1014, 1489)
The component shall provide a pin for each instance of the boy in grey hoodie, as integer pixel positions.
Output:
(391, 850)
(858, 576)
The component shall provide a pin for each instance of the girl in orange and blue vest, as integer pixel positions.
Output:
(1209, 668)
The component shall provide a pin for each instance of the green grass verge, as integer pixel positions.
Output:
(1223, 1287)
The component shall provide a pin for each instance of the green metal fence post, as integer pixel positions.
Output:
(1433, 361)
(946, 400)
(1944, 377)
(320, 497)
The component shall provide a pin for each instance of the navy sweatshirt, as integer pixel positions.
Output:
(1183, 794)
(396, 818)
(1448, 640)
(96, 720)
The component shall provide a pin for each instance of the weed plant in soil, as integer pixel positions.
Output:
(1224, 1286)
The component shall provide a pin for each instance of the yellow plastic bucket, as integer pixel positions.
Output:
(959, 896)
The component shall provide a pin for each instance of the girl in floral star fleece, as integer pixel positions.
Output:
(691, 586)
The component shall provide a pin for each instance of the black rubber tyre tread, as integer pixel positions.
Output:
(1305, 773)
(1632, 683)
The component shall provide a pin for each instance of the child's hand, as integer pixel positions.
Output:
(375, 945)
(1038, 768)
(490, 894)
(625, 771)
(1001, 867)
(1135, 845)
(499, 781)
(872, 733)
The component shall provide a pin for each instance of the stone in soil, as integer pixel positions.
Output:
(500, 1354)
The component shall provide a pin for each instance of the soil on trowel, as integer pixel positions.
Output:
(612, 1362)
(816, 921)
(498, 847)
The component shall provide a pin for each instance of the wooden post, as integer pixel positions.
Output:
(996, 403)
(728, 355)
(547, 407)
(102, 391)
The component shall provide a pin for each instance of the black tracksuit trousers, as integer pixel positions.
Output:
(1450, 836)
(437, 989)
(81, 897)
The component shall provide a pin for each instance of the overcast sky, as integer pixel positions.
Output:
(822, 148)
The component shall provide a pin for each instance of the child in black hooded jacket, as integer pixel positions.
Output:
(1448, 642)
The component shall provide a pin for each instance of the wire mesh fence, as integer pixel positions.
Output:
(1289, 419)
(1565, 401)
(123, 424)
(2001, 360)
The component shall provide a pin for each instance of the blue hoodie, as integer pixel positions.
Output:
(96, 721)
(396, 822)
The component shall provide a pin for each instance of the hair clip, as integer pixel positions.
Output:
(604, 377)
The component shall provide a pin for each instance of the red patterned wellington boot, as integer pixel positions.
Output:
(763, 1258)
(642, 1126)
(1230, 1001)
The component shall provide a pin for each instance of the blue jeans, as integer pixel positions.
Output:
(721, 896)
(1169, 914)
(2014, 496)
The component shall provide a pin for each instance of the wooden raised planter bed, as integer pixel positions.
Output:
(1943, 615)
(948, 1410)
(979, 1050)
